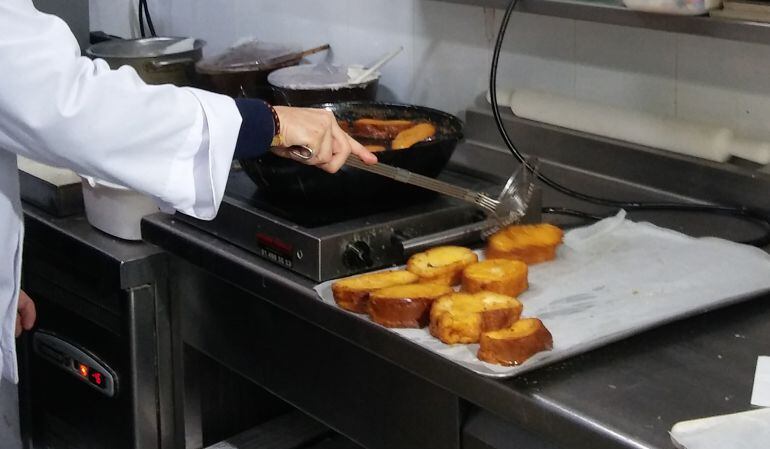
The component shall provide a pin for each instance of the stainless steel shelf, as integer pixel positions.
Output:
(616, 14)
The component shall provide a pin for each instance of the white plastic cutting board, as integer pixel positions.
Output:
(53, 175)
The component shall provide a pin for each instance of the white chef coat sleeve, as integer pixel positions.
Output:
(174, 144)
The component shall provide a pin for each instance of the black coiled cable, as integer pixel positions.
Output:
(743, 212)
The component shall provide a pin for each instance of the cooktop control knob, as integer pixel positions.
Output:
(357, 255)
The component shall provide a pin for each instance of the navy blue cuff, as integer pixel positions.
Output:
(257, 128)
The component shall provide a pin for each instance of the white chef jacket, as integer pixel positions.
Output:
(173, 144)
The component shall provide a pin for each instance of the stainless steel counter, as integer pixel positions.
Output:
(626, 395)
(104, 302)
(127, 264)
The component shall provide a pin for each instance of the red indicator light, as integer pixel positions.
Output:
(83, 370)
(96, 378)
(274, 244)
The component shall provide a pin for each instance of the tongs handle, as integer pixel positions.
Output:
(408, 177)
(460, 235)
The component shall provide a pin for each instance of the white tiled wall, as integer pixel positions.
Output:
(448, 47)
(539, 54)
(725, 81)
(120, 18)
(112, 16)
(626, 67)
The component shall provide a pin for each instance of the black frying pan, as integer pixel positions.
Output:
(284, 179)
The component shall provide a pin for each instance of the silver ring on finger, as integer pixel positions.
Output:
(303, 152)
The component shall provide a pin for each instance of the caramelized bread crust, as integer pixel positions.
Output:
(380, 129)
(515, 344)
(462, 317)
(508, 277)
(413, 135)
(353, 293)
(530, 244)
(441, 265)
(405, 305)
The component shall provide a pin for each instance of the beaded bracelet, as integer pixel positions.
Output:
(277, 137)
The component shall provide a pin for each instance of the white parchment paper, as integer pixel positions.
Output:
(760, 394)
(613, 279)
(745, 430)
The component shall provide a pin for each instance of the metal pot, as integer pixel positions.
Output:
(286, 180)
(242, 70)
(303, 85)
(157, 60)
(240, 82)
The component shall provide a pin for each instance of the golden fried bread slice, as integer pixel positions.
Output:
(413, 135)
(530, 244)
(515, 344)
(508, 277)
(379, 129)
(405, 305)
(462, 317)
(353, 293)
(441, 265)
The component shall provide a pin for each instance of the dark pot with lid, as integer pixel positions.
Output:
(242, 70)
(157, 60)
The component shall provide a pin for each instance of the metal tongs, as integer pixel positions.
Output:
(509, 207)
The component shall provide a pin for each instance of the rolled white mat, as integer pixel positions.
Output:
(694, 139)
(503, 97)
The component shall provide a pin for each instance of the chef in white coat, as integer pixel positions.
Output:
(173, 144)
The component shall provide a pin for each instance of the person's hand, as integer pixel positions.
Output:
(317, 129)
(27, 314)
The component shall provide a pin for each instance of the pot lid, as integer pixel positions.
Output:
(149, 47)
(251, 55)
(318, 76)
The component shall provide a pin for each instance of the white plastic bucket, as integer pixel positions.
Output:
(115, 209)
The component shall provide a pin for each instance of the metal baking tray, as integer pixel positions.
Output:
(614, 279)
